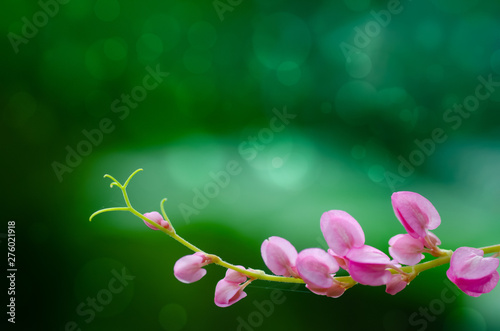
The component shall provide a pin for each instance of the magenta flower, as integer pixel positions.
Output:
(472, 272)
(158, 219)
(416, 213)
(230, 289)
(279, 256)
(341, 231)
(188, 269)
(405, 249)
(367, 265)
(316, 267)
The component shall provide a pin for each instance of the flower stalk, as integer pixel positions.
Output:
(346, 240)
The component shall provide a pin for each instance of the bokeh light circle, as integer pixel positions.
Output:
(149, 47)
(358, 65)
(166, 28)
(115, 49)
(376, 173)
(469, 44)
(99, 63)
(279, 38)
(429, 34)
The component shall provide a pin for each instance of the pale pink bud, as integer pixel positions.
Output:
(188, 269)
(396, 284)
(405, 249)
(158, 219)
(367, 265)
(472, 272)
(416, 213)
(229, 290)
(279, 256)
(341, 231)
(316, 267)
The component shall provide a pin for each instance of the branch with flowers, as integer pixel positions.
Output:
(469, 269)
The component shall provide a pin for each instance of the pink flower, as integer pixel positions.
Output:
(188, 269)
(316, 267)
(158, 219)
(396, 284)
(279, 256)
(472, 272)
(416, 213)
(367, 265)
(341, 231)
(405, 249)
(229, 289)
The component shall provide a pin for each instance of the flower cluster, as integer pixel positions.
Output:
(469, 269)
(367, 265)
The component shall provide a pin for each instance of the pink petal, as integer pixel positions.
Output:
(315, 267)
(227, 293)
(340, 260)
(341, 231)
(188, 269)
(431, 240)
(472, 272)
(279, 255)
(405, 249)
(480, 286)
(234, 276)
(367, 265)
(368, 254)
(470, 263)
(395, 285)
(416, 213)
(334, 291)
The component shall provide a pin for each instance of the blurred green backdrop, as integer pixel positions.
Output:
(311, 106)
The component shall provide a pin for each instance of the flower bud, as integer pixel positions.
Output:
(158, 219)
(188, 269)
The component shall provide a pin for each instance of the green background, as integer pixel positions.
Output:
(365, 90)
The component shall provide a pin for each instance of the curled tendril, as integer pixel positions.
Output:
(123, 188)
